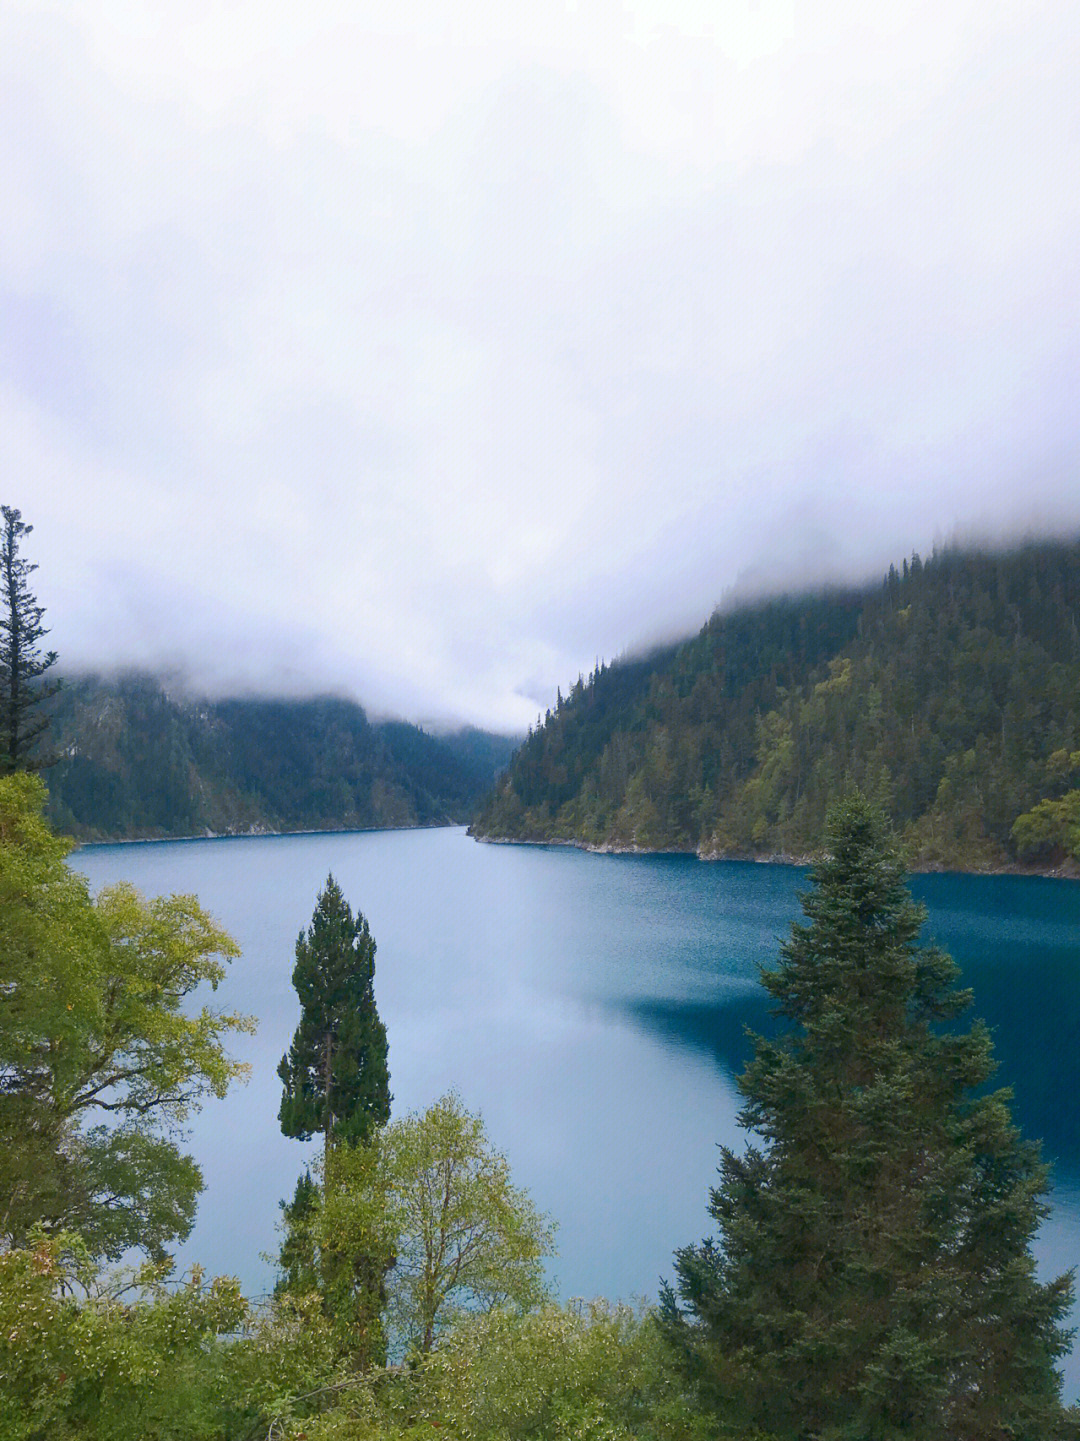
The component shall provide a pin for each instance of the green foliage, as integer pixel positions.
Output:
(87, 1356)
(22, 662)
(466, 1238)
(428, 1204)
(349, 1233)
(576, 1373)
(951, 694)
(335, 1075)
(138, 761)
(299, 1275)
(873, 1276)
(583, 1373)
(336, 1081)
(1050, 829)
(101, 1056)
(92, 1356)
(74, 1364)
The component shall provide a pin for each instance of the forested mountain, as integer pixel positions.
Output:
(137, 760)
(951, 692)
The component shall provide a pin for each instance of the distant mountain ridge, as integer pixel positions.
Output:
(951, 692)
(138, 761)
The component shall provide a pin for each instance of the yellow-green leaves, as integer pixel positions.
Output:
(430, 1198)
(467, 1237)
(144, 1053)
(82, 1357)
(1049, 828)
(582, 1372)
(97, 1026)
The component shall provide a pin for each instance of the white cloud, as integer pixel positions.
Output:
(427, 353)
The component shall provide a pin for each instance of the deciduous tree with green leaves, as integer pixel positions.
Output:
(465, 1237)
(102, 1057)
(581, 1372)
(433, 1200)
(1050, 830)
(111, 1355)
(873, 1275)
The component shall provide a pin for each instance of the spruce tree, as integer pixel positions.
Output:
(873, 1276)
(299, 1265)
(335, 1074)
(22, 663)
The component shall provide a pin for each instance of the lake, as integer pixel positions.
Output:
(592, 1007)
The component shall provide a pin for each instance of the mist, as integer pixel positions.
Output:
(427, 359)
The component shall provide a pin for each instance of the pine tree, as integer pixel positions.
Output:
(299, 1264)
(873, 1276)
(335, 1075)
(22, 663)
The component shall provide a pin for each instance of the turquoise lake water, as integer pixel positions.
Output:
(593, 1008)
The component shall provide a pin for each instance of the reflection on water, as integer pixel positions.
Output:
(720, 1031)
(1018, 944)
(594, 1007)
(1017, 941)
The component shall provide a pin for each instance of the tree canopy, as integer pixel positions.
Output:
(101, 1056)
(428, 1203)
(22, 661)
(872, 1275)
(335, 1075)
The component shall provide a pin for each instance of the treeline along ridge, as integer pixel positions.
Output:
(950, 693)
(136, 760)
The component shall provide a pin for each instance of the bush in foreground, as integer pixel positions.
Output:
(564, 1373)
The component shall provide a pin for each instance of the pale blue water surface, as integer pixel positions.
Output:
(592, 1007)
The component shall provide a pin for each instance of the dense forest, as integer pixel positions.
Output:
(139, 760)
(950, 693)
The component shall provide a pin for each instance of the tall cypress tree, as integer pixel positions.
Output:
(873, 1276)
(336, 1081)
(335, 1074)
(22, 663)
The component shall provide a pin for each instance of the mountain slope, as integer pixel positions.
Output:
(140, 761)
(951, 692)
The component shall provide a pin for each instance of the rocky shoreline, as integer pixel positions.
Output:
(1069, 870)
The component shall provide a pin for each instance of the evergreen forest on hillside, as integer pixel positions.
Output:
(136, 760)
(950, 693)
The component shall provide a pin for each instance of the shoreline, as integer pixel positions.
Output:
(1067, 871)
(257, 831)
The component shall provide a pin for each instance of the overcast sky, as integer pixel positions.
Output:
(425, 352)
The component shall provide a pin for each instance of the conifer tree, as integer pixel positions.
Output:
(22, 663)
(335, 1074)
(873, 1276)
(336, 1081)
(299, 1267)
